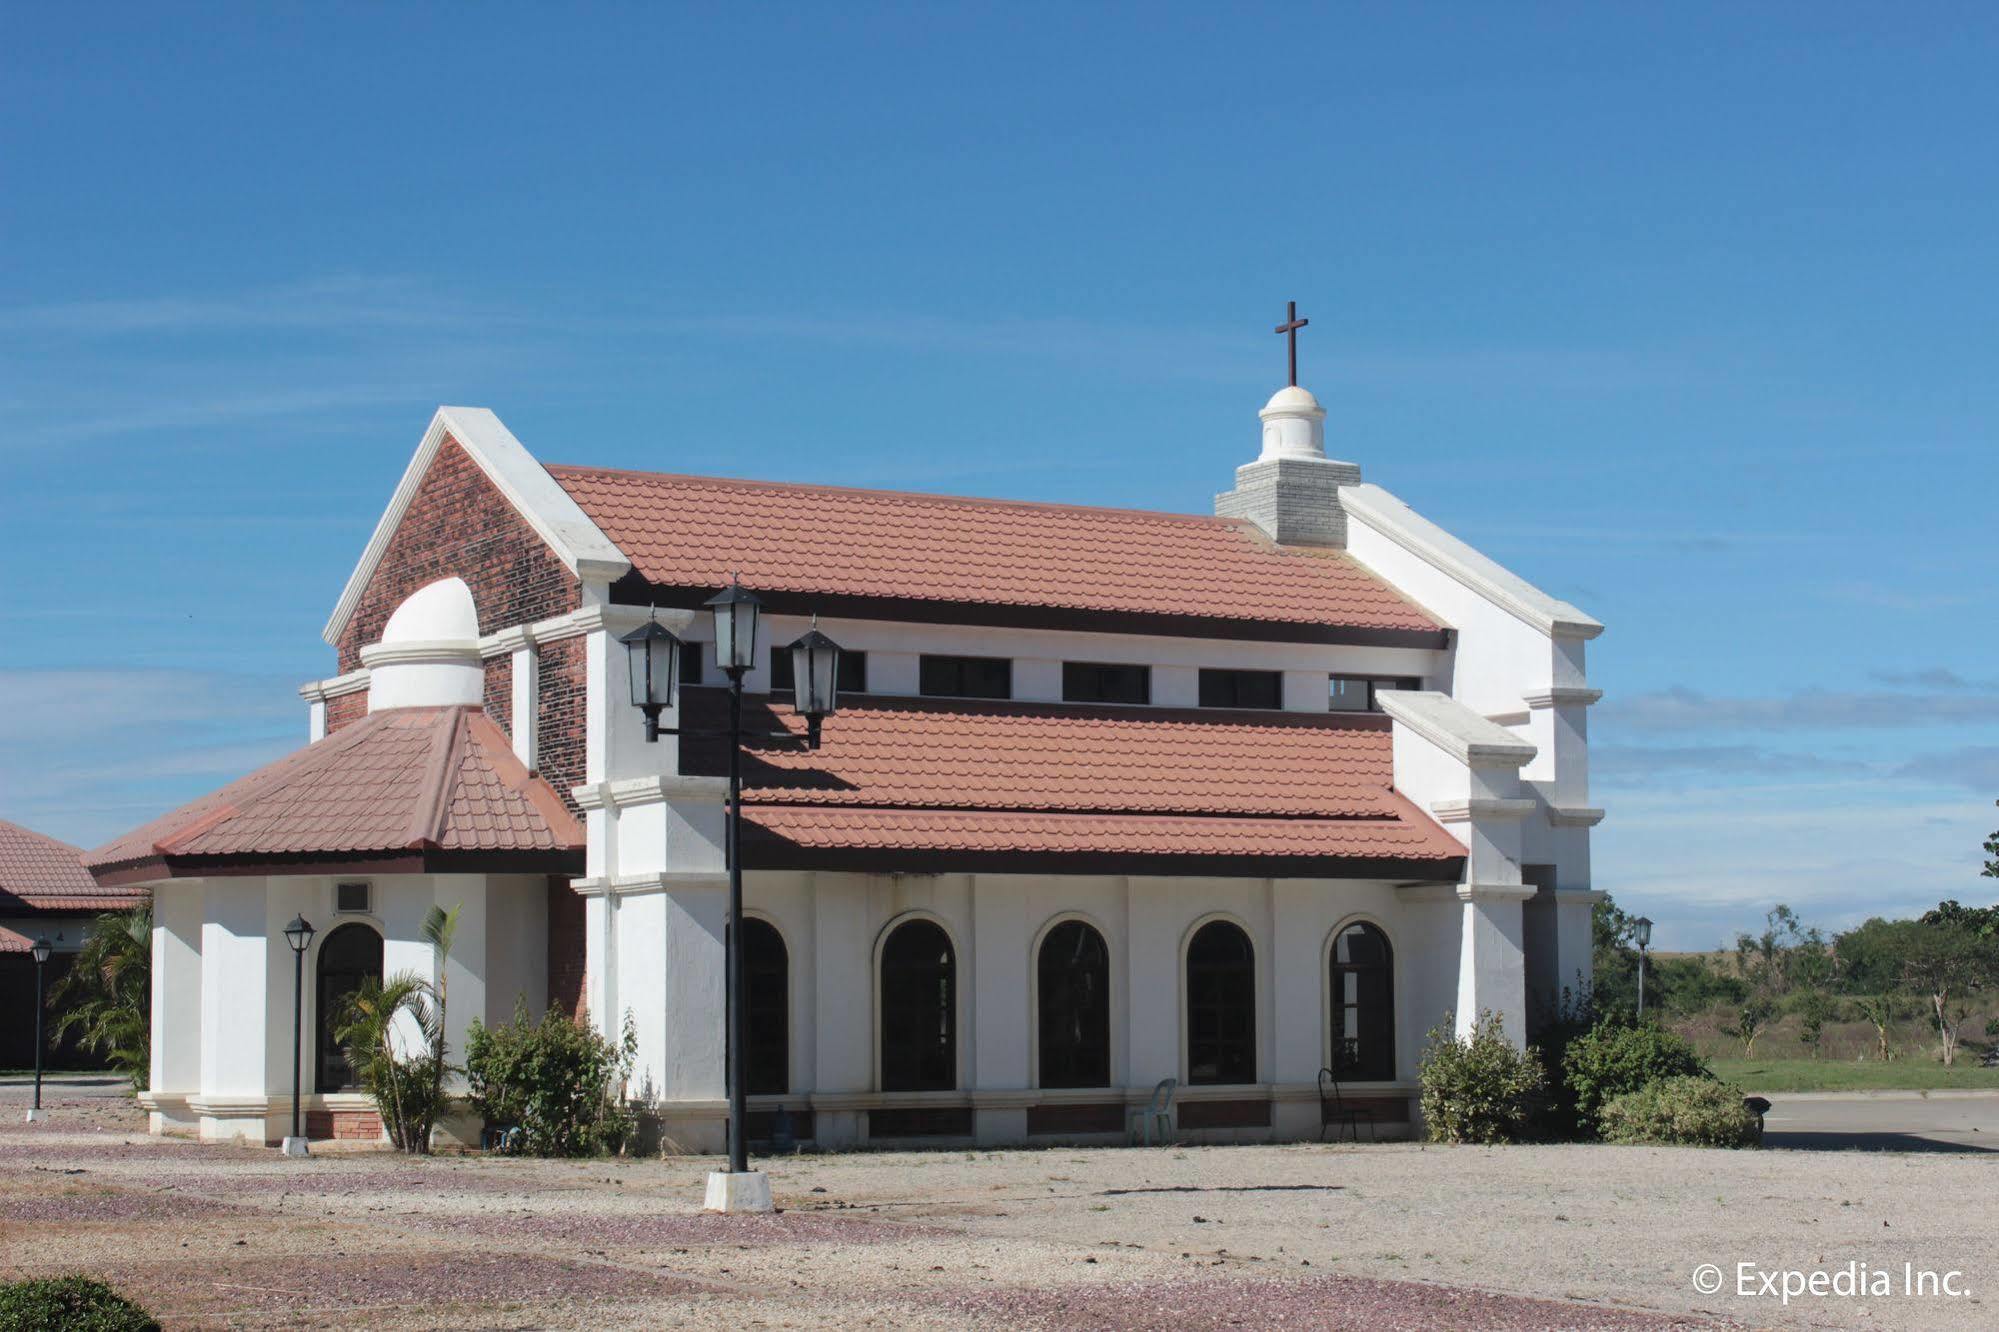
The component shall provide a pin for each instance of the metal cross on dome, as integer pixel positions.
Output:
(1292, 323)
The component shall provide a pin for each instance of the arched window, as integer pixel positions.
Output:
(766, 1010)
(1363, 1020)
(919, 1009)
(1221, 1005)
(347, 956)
(1074, 997)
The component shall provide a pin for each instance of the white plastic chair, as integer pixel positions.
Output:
(1155, 1116)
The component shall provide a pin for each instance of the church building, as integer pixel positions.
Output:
(1110, 797)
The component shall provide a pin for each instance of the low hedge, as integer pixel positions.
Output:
(72, 1304)
(1479, 1087)
(1681, 1112)
(1613, 1060)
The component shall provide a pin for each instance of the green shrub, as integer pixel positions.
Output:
(71, 1303)
(1613, 1059)
(1478, 1087)
(1686, 1112)
(557, 1080)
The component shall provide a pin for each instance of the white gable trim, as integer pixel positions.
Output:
(578, 542)
(1382, 511)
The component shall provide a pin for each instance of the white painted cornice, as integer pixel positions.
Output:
(1465, 892)
(637, 885)
(629, 791)
(1464, 811)
(1384, 513)
(433, 652)
(1574, 816)
(1581, 896)
(1559, 695)
(1455, 728)
(577, 541)
(338, 686)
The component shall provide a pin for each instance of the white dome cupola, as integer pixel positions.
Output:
(1294, 425)
(1292, 490)
(429, 653)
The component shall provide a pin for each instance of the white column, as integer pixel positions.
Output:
(526, 716)
(176, 981)
(1152, 989)
(1001, 977)
(1492, 973)
(236, 1009)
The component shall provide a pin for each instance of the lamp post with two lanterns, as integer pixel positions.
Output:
(654, 660)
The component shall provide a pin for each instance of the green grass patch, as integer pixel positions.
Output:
(1916, 1074)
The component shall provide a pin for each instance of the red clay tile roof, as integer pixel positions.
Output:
(950, 777)
(38, 873)
(402, 781)
(694, 532)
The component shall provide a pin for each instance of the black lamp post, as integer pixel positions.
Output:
(1641, 932)
(299, 935)
(39, 950)
(654, 655)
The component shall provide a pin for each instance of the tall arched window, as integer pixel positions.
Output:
(347, 956)
(919, 1009)
(1073, 993)
(1221, 1005)
(1363, 1019)
(766, 1010)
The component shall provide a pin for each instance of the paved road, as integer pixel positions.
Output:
(1884, 1121)
(20, 1089)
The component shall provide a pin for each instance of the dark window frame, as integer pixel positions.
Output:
(1220, 976)
(766, 1010)
(691, 667)
(944, 675)
(853, 671)
(1084, 681)
(918, 1013)
(1361, 1024)
(1223, 687)
(330, 989)
(1375, 684)
(1072, 995)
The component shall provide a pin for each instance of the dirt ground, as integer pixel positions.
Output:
(1391, 1236)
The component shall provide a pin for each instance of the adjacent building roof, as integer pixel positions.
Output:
(40, 874)
(959, 784)
(968, 558)
(403, 790)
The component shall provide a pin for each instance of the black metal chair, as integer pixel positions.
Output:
(1334, 1110)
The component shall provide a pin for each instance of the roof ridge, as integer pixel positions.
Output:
(433, 805)
(559, 470)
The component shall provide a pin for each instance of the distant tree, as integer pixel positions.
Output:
(1981, 921)
(1991, 870)
(1752, 1019)
(1785, 955)
(1869, 957)
(107, 994)
(1879, 1010)
(1947, 961)
(1614, 960)
(1815, 1008)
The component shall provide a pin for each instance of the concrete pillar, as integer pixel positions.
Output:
(236, 964)
(1491, 966)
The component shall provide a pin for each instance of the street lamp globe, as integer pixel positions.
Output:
(1641, 930)
(299, 934)
(40, 949)
(736, 611)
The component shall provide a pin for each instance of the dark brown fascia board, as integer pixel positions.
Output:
(569, 863)
(633, 590)
(764, 853)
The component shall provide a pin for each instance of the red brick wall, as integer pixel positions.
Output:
(559, 693)
(345, 709)
(500, 691)
(459, 525)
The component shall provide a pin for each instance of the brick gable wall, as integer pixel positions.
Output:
(459, 525)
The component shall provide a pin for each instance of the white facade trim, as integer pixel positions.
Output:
(1564, 694)
(636, 885)
(652, 790)
(1455, 728)
(338, 686)
(1388, 515)
(577, 541)
(1465, 892)
(1574, 816)
(1484, 807)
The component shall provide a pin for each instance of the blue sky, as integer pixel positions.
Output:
(1688, 316)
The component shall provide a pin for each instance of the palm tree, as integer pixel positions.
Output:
(108, 992)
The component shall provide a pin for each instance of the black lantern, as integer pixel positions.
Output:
(654, 658)
(40, 950)
(736, 611)
(1641, 932)
(815, 678)
(299, 934)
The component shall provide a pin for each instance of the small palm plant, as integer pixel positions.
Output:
(404, 1075)
(107, 996)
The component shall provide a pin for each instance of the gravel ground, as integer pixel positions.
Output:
(1391, 1236)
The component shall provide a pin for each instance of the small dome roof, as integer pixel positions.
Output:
(1292, 399)
(439, 613)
